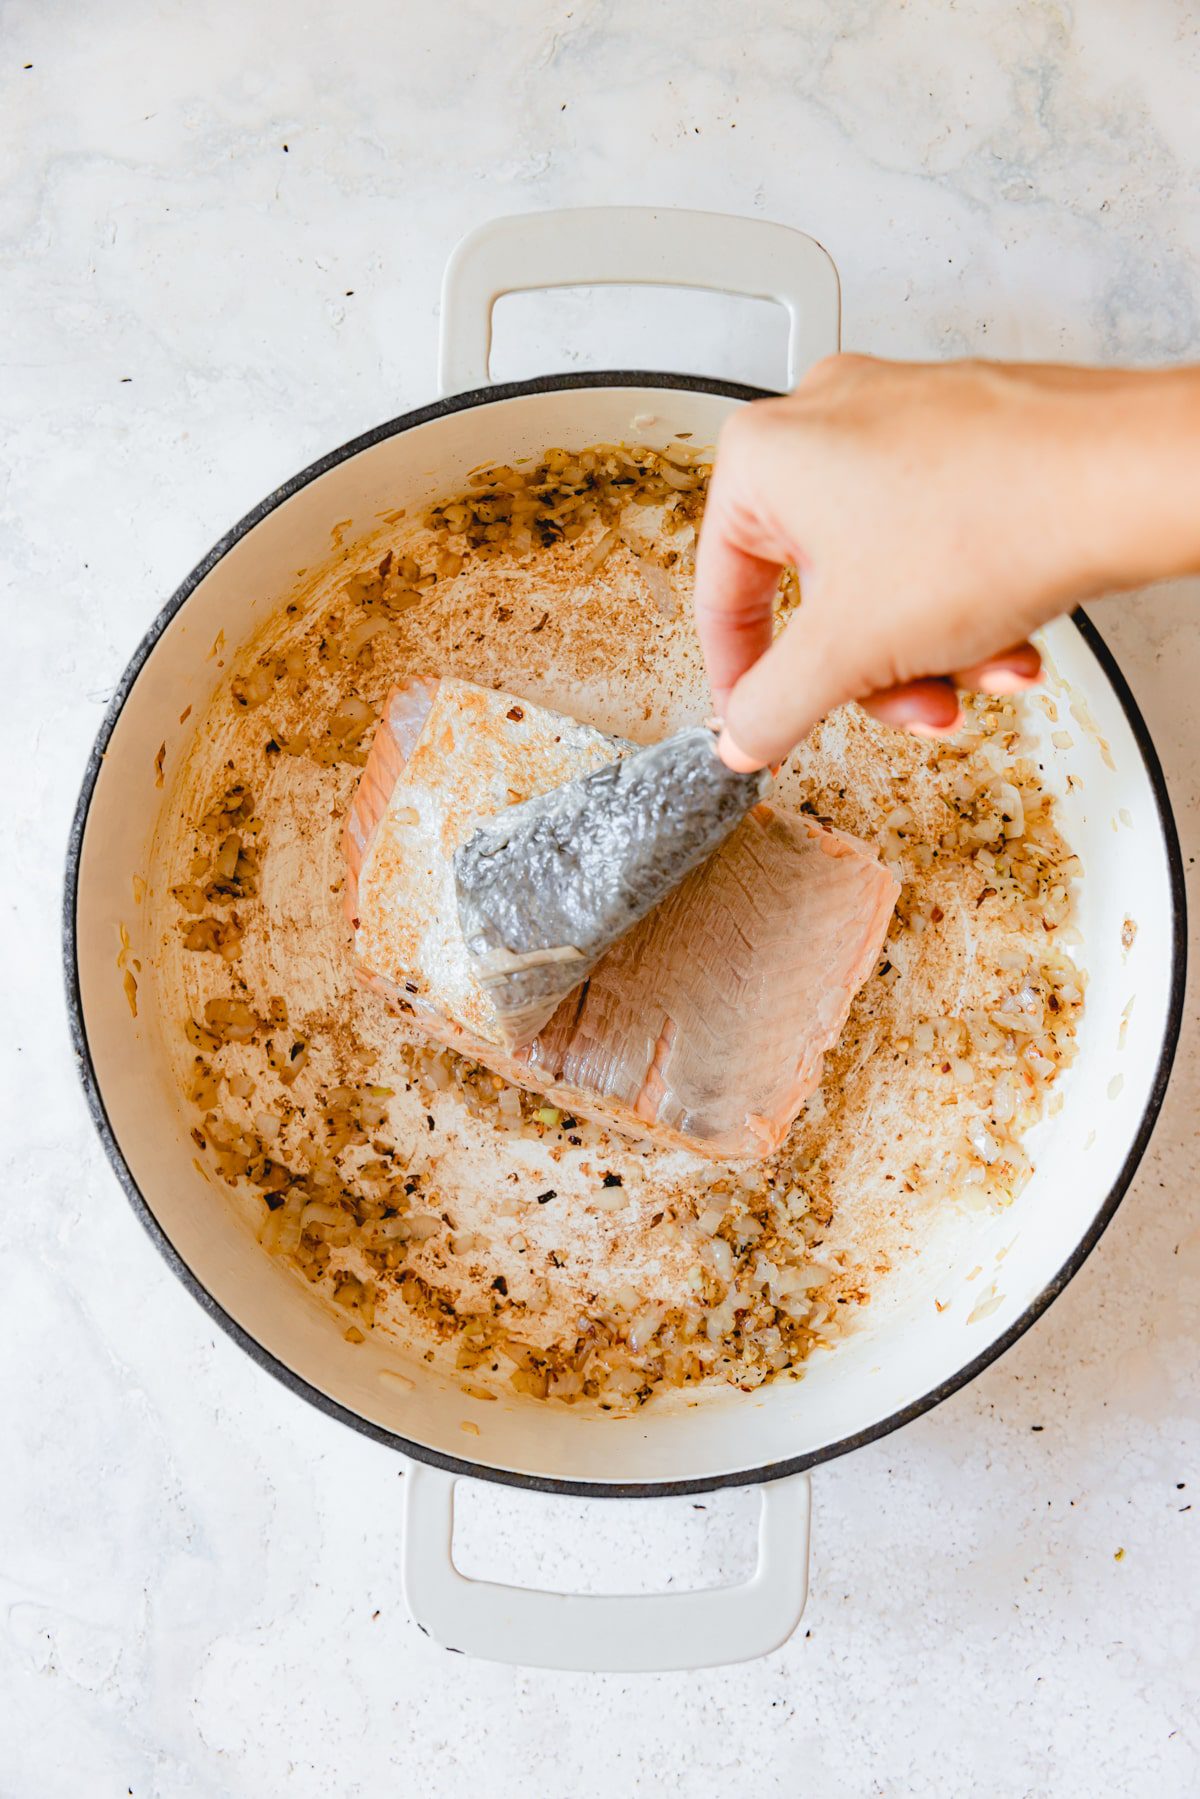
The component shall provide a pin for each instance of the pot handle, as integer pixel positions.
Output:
(591, 246)
(622, 1633)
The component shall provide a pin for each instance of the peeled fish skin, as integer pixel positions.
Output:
(705, 1027)
(545, 887)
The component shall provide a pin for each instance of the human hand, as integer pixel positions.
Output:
(937, 514)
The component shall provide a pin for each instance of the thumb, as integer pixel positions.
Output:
(777, 702)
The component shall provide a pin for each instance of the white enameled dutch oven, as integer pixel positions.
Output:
(907, 1355)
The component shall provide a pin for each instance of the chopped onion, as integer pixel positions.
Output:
(610, 1201)
(599, 553)
(1004, 1102)
(350, 720)
(643, 1326)
(508, 1104)
(317, 1213)
(982, 1141)
(230, 1019)
(722, 1258)
(365, 632)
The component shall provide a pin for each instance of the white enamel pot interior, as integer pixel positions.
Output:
(907, 1354)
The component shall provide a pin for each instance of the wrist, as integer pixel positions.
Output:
(1125, 506)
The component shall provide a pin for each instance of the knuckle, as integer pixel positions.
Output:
(744, 426)
(832, 368)
(824, 370)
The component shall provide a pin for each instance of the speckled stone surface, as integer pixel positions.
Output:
(221, 233)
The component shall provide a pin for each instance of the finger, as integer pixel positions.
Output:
(741, 761)
(734, 615)
(1010, 671)
(778, 701)
(740, 552)
(930, 708)
(734, 600)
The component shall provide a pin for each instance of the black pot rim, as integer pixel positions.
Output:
(458, 1465)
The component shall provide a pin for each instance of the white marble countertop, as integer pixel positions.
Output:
(221, 239)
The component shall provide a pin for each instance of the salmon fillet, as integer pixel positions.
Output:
(705, 1028)
(546, 887)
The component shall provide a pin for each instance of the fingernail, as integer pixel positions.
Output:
(736, 758)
